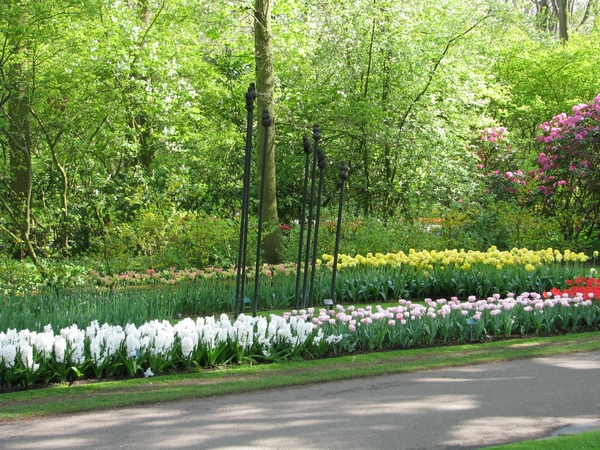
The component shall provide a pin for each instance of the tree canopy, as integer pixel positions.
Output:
(116, 110)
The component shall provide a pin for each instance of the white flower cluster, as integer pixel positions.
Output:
(105, 341)
(22, 344)
(102, 343)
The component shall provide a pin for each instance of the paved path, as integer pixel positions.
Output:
(465, 407)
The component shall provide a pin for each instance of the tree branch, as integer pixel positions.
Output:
(435, 67)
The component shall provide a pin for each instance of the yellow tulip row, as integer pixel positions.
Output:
(460, 258)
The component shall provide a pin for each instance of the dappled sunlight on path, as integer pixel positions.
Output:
(464, 407)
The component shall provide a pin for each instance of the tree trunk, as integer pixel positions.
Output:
(263, 46)
(142, 125)
(63, 237)
(18, 137)
(563, 33)
(145, 12)
(19, 141)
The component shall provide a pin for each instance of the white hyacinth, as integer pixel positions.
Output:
(75, 339)
(44, 342)
(8, 355)
(26, 351)
(132, 341)
(187, 346)
(60, 346)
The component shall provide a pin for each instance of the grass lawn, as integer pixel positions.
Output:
(583, 441)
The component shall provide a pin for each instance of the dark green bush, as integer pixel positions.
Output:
(160, 239)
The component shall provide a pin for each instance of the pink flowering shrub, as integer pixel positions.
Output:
(564, 185)
(568, 176)
(493, 149)
(500, 168)
(501, 213)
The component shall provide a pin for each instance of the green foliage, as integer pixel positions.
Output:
(150, 131)
(361, 235)
(480, 224)
(475, 226)
(18, 275)
(160, 239)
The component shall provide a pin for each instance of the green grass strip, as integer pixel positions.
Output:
(228, 380)
(583, 441)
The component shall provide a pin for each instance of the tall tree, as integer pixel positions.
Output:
(15, 76)
(561, 17)
(263, 46)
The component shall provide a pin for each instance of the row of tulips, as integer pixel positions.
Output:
(102, 351)
(462, 259)
(421, 260)
(586, 286)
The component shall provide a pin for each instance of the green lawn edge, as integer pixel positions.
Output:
(582, 441)
(63, 399)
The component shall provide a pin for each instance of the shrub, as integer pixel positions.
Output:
(161, 239)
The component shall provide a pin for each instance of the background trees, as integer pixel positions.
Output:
(116, 115)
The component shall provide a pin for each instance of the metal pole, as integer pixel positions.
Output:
(242, 249)
(322, 164)
(307, 151)
(344, 176)
(316, 138)
(266, 121)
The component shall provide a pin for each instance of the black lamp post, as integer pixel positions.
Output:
(242, 249)
(343, 176)
(307, 151)
(266, 122)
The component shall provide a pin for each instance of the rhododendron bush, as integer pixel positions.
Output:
(565, 183)
(568, 168)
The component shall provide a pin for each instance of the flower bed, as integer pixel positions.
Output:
(585, 286)
(135, 297)
(100, 351)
